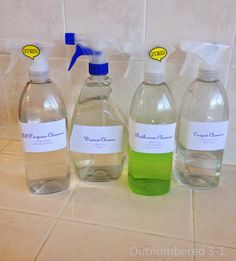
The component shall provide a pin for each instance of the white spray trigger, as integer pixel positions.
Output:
(209, 56)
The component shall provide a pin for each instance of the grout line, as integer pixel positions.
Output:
(214, 244)
(228, 77)
(193, 213)
(124, 229)
(64, 15)
(69, 198)
(27, 212)
(57, 220)
(46, 238)
(229, 165)
(227, 181)
(145, 22)
(12, 154)
(10, 142)
(37, 215)
(40, 214)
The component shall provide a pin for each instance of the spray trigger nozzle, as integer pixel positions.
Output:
(79, 50)
(206, 55)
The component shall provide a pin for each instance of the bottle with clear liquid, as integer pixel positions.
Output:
(98, 130)
(203, 119)
(98, 133)
(42, 117)
(152, 133)
(204, 115)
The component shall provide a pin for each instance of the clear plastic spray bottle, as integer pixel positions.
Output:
(42, 118)
(152, 126)
(98, 132)
(203, 119)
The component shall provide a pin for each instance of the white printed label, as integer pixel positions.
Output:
(96, 140)
(43, 137)
(205, 136)
(152, 138)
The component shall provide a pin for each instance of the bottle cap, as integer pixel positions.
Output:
(38, 68)
(98, 69)
(155, 65)
(208, 75)
(154, 71)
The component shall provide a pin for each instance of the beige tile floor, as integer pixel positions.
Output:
(106, 221)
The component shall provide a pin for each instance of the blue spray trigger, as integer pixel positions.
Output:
(79, 51)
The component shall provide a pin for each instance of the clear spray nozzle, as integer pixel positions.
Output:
(153, 57)
(206, 55)
(33, 54)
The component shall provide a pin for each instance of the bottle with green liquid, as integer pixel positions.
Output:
(152, 125)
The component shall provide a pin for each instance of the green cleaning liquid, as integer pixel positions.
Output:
(152, 124)
(149, 174)
(151, 139)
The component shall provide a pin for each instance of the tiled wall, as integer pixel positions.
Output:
(159, 21)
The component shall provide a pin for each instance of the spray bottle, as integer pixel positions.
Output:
(42, 118)
(152, 124)
(98, 133)
(203, 119)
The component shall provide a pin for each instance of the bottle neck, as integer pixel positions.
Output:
(154, 78)
(38, 77)
(99, 78)
(208, 75)
(96, 87)
(99, 81)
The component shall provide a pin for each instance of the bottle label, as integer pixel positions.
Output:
(44, 137)
(205, 136)
(152, 138)
(96, 139)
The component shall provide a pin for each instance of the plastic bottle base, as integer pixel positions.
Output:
(200, 182)
(99, 174)
(149, 187)
(49, 185)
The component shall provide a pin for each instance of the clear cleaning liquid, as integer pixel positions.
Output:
(204, 103)
(47, 171)
(94, 109)
(199, 169)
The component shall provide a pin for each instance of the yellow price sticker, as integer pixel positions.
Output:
(30, 51)
(158, 53)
